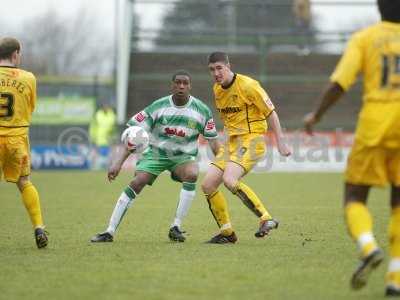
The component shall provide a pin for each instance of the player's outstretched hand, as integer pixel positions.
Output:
(113, 172)
(309, 121)
(284, 149)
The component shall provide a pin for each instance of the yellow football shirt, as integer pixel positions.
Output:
(243, 106)
(375, 53)
(17, 100)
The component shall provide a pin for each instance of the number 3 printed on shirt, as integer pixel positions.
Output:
(6, 105)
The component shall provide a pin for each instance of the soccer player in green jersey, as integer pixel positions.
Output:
(174, 123)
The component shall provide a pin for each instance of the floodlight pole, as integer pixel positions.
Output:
(124, 19)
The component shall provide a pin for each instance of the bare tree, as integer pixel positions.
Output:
(55, 44)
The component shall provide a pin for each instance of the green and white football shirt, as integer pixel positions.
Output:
(174, 130)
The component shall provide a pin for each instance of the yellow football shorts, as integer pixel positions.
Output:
(374, 166)
(245, 150)
(14, 157)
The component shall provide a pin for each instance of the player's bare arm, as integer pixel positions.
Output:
(117, 163)
(328, 98)
(215, 145)
(275, 125)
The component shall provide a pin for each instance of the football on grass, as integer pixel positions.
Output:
(135, 139)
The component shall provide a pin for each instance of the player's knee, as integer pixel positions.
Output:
(205, 187)
(22, 182)
(138, 184)
(140, 181)
(208, 187)
(190, 177)
(230, 183)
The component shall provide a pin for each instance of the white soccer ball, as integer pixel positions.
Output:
(135, 139)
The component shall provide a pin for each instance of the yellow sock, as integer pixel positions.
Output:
(251, 200)
(393, 278)
(394, 233)
(30, 197)
(393, 275)
(359, 224)
(219, 209)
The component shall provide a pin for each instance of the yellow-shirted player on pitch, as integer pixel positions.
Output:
(17, 102)
(245, 108)
(375, 156)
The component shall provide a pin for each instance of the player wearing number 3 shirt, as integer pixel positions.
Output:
(17, 102)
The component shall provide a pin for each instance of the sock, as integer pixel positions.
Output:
(393, 275)
(30, 197)
(251, 200)
(122, 205)
(394, 233)
(219, 209)
(186, 197)
(359, 224)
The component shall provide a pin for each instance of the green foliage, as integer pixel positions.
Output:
(310, 256)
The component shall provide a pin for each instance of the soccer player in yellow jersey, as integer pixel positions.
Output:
(245, 108)
(375, 156)
(17, 102)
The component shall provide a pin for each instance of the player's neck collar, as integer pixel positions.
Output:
(390, 23)
(230, 83)
(171, 100)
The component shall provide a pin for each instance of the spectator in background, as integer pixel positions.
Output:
(102, 131)
(302, 14)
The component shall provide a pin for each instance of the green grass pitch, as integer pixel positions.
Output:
(310, 256)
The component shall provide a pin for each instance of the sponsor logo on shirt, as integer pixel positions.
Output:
(210, 124)
(229, 110)
(140, 117)
(174, 131)
(191, 124)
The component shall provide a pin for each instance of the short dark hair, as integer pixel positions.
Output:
(389, 10)
(181, 72)
(8, 46)
(218, 57)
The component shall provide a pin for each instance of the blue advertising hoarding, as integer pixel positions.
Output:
(60, 157)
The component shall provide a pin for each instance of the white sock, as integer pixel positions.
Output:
(122, 205)
(394, 265)
(185, 201)
(365, 239)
